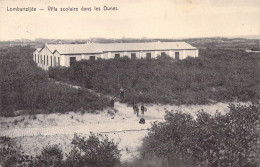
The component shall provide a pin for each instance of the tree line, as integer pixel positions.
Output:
(216, 76)
(25, 87)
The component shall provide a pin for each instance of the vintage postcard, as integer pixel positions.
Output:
(130, 83)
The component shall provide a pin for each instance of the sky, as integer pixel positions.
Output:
(134, 19)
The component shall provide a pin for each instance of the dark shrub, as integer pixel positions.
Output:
(217, 75)
(221, 140)
(10, 156)
(97, 150)
(23, 86)
(51, 155)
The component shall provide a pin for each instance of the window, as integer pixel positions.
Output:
(47, 60)
(163, 54)
(148, 56)
(54, 61)
(58, 61)
(92, 58)
(38, 58)
(133, 55)
(51, 60)
(35, 58)
(117, 56)
(72, 60)
(177, 55)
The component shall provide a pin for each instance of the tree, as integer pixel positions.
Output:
(221, 140)
(97, 150)
(51, 156)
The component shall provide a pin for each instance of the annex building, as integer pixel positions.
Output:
(52, 55)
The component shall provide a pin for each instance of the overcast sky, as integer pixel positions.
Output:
(135, 18)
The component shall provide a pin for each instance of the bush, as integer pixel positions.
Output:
(27, 87)
(151, 160)
(10, 156)
(97, 150)
(220, 140)
(217, 75)
(51, 155)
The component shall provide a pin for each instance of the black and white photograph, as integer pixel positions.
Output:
(129, 83)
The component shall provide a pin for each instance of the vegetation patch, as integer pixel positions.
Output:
(96, 150)
(27, 88)
(218, 75)
(222, 140)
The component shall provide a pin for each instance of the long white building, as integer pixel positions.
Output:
(52, 55)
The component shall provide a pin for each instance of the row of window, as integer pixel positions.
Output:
(149, 55)
(41, 59)
(133, 56)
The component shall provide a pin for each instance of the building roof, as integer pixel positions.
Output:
(38, 49)
(109, 47)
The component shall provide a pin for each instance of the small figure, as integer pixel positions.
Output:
(112, 102)
(143, 108)
(137, 111)
(122, 94)
(134, 107)
(142, 121)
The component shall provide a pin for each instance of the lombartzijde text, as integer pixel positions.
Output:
(68, 9)
(21, 9)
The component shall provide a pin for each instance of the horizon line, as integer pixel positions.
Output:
(140, 38)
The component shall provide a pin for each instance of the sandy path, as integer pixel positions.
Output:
(123, 127)
(124, 120)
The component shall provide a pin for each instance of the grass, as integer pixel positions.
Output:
(218, 75)
(26, 89)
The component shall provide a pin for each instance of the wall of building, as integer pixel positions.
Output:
(58, 60)
(35, 56)
(190, 53)
(87, 56)
(47, 55)
(64, 60)
(46, 59)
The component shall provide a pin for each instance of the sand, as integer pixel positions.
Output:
(123, 126)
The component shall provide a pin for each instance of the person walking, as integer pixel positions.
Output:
(142, 108)
(134, 107)
(122, 93)
(137, 111)
(112, 102)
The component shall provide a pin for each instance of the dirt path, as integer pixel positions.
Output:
(122, 126)
(124, 120)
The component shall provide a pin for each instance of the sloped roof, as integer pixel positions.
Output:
(109, 47)
(74, 48)
(38, 49)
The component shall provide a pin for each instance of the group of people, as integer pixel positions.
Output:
(136, 109)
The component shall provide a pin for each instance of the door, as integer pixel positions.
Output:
(117, 56)
(133, 56)
(148, 56)
(72, 60)
(163, 54)
(92, 58)
(177, 55)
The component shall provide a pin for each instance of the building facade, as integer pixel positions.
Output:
(53, 55)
